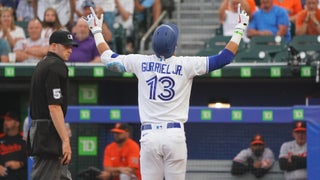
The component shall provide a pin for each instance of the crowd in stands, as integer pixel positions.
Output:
(285, 18)
(20, 32)
(276, 33)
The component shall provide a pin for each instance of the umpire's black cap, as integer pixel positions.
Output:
(62, 37)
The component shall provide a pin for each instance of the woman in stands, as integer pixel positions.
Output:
(50, 23)
(8, 30)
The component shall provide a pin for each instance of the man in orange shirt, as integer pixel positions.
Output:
(293, 7)
(307, 22)
(121, 157)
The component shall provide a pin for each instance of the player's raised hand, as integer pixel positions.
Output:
(95, 24)
(243, 20)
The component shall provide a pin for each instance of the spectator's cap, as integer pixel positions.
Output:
(299, 126)
(62, 37)
(164, 40)
(121, 128)
(11, 116)
(257, 139)
(87, 3)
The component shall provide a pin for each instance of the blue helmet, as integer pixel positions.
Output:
(164, 40)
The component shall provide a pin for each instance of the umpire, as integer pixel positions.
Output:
(48, 140)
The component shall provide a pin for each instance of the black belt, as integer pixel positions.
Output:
(156, 126)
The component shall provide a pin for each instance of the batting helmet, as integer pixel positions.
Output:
(165, 39)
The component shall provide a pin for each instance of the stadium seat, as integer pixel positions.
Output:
(219, 42)
(23, 25)
(306, 43)
(208, 51)
(270, 44)
(282, 56)
(219, 30)
(253, 56)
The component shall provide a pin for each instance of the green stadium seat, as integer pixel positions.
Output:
(306, 43)
(23, 25)
(219, 30)
(269, 44)
(253, 56)
(219, 42)
(208, 51)
(282, 56)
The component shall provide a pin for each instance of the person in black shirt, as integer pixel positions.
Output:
(48, 140)
(13, 150)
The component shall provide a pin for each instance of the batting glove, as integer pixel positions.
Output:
(95, 24)
(242, 23)
(241, 26)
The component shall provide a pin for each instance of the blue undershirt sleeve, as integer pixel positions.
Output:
(220, 60)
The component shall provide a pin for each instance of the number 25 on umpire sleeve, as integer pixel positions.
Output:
(168, 91)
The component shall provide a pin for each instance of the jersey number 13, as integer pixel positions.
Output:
(168, 91)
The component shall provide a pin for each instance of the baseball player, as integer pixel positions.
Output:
(293, 154)
(164, 86)
(256, 159)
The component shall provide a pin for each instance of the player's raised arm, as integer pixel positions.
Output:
(238, 31)
(228, 53)
(95, 26)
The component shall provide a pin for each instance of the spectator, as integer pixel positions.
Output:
(107, 34)
(253, 6)
(85, 6)
(8, 30)
(293, 7)
(145, 14)
(108, 9)
(293, 154)
(141, 7)
(13, 156)
(50, 23)
(121, 157)
(256, 159)
(307, 21)
(77, 11)
(124, 16)
(10, 3)
(269, 20)
(4, 50)
(24, 11)
(228, 12)
(34, 48)
(156, 10)
(86, 50)
(65, 9)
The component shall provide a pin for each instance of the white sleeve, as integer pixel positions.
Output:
(284, 150)
(268, 158)
(243, 156)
